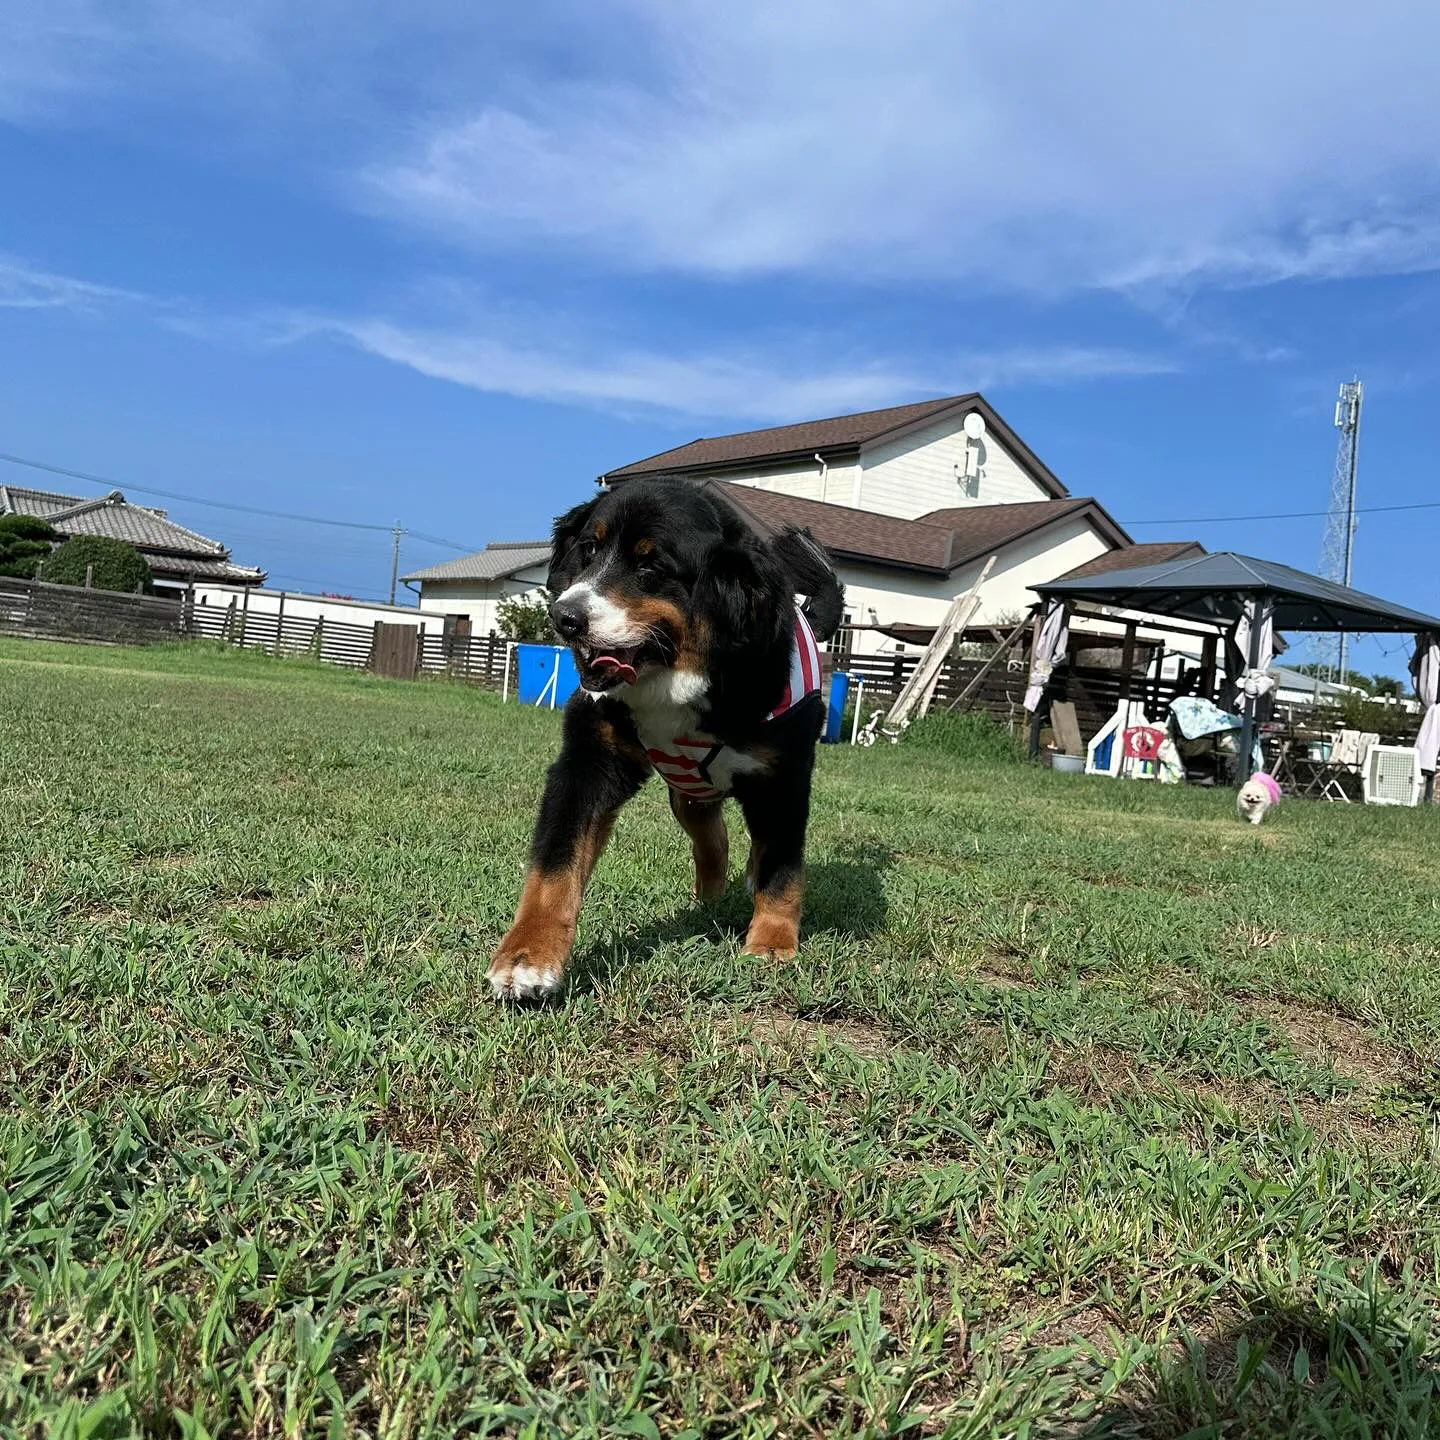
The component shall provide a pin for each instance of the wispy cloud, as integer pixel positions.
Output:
(22, 287)
(740, 385)
(495, 352)
(1047, 147)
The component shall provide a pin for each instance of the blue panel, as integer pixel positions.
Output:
(835, 709)
(535, 665)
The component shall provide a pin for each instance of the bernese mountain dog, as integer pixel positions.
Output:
(697, 662)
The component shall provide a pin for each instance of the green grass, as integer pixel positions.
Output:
(1085, 1110)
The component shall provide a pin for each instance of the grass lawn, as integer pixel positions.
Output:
(1084, 1111)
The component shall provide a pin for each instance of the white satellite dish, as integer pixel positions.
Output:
(974, 425)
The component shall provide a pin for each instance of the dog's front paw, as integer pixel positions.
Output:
(770, 938)
(525, 968)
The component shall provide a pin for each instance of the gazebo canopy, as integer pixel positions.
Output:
(1216, 588)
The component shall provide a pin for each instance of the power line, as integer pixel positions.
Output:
(1288, 515)
(223, 504)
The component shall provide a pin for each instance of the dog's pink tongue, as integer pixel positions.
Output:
(611, 666)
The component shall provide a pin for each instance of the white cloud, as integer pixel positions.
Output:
(738, 385)
(25, 288)
(1049, 146)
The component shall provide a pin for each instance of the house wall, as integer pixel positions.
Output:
(898, 597)
(307, 607)
(479, 599)
(835, 486)
(915, 473)
(907, 476)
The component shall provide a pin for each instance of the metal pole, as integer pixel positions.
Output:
(395, 561)
(1250, 702)
(1354, 465)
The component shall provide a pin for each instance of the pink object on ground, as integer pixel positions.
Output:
(1268, 784)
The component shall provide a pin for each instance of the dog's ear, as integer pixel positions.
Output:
(747, 596)
(563, 537)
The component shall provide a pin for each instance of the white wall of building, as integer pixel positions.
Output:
(924, 470)
(479, 599)
(834, 484)
(904, 597)
(908, 476)
(307, 607)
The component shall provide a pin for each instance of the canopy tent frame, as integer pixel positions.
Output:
(1220, 589)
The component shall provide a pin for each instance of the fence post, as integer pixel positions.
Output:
(89, 575)
(280, 622)
(320, 636)
(244, 616)
(899, 672)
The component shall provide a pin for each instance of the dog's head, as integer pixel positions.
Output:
(1253, 796)
(659, 575)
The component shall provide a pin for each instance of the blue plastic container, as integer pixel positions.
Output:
(535, 675)
(833, 733)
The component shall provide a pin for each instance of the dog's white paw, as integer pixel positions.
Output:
(522, 981)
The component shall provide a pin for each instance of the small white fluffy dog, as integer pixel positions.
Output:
(1257, 796)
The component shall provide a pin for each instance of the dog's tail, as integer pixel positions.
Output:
(814, 577)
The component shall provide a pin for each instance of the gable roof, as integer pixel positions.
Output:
(839, 436)
(938, 543)
(171, 549)
(1128, 557)
(495, 562)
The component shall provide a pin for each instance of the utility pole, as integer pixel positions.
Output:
(395, 560)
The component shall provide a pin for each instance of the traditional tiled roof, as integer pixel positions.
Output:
(171, 549)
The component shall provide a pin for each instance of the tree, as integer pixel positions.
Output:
(25, 540)
(112, 564)
(526, 618)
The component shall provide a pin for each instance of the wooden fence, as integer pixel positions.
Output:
(40, 611)
(1092, 687)
(397, 650)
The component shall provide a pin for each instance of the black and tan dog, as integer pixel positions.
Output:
(695, 662)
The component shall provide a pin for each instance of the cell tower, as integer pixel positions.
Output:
(1337, 554)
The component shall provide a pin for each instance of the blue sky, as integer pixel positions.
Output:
(446, 262)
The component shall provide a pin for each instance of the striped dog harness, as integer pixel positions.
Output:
(684, 761)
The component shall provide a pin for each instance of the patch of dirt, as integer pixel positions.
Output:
(1346, 1047)
(1000, 979)
(770, 1026)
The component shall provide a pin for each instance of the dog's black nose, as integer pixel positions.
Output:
(569, 618)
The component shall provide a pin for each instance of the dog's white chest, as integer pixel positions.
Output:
(684, 756)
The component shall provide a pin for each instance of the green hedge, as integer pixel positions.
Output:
(113, 565)
(25, 541)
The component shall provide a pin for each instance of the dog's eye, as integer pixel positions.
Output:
(584, 548)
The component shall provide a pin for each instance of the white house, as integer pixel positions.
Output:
(474, 585)
(907, 461)
(909, 501)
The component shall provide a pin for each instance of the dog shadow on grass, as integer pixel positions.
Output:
(1283, 1370)
(844, 899)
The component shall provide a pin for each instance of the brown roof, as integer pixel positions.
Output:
(854, 534)
(842, 434)
(939, 543)
(1129, 557)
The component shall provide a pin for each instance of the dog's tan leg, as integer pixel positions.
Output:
(530, 961)
(704, 822)
(775, 926)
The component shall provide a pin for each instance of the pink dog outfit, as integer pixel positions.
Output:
(1267, 784)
